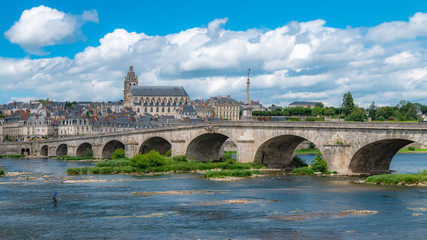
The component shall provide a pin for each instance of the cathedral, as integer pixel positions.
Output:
(155, 100)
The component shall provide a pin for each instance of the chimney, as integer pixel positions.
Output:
(228, 97)
(11, 113)
(252, 101)
(131, 119)
(211, 101)
(106, 119)
(219, 97)
(114, 117)
(66, 116)
(202, 100)
(258, 101)
(14, 104)
(23, 115)
(92, 118)
(80, 111)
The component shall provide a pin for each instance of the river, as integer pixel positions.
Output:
(274, 207)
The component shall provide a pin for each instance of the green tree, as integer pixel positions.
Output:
(151, 159)
(118, 153)
(357, 115)
(87, 114)
(372, 111)
(320, 105)
(2, 116)
(319, 164)
(385, 112)
(329, 111)
(348, 104)
(411, 114)
(317, 111)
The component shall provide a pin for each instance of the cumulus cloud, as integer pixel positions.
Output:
(43, 26)
(296, 61)
(391, 31)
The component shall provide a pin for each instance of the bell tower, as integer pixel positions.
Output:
(130, 80)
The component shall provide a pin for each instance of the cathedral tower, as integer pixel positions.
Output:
(130, 80)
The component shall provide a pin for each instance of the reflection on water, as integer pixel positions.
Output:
(188, 207)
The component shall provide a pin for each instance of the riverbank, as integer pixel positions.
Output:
(417, 179)
(414, 150)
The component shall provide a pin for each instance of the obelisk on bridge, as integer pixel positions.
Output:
(247, 110)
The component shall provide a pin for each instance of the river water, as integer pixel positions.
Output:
(274, 207)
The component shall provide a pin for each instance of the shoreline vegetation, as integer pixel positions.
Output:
(13, 156)
(153, 163)
(416, 179)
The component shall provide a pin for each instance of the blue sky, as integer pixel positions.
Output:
(297, 50)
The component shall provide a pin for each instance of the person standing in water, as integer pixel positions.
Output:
(54, 198)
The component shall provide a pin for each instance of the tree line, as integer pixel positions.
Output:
(404, 111)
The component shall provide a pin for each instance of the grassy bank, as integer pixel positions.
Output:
(394, 179)
(307, 151)
(153, 162)
(13, 156)
(412, 150)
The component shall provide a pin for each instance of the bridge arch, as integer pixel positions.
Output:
(206, 146)
(278, 152)
(159, 144)
(375, 157)
(62, 150)
(83, 149)
(110, 147)
(25, 151)
(44, 151)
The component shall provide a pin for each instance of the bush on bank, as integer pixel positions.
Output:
(317, 165)
(118, 153)
(151, 159)
(298, 162)
(1, 172)
(394, 179)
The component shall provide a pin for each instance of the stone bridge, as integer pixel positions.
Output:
(347, 147)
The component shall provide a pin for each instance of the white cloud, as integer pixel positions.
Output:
(391, 31)
(43, 26)
(297, 61)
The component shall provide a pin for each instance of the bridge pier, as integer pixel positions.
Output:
(97, 150)
(131, 149)
(72, 149)
(246, 148)
(178, 147)
(337, 156)
(52, 151)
